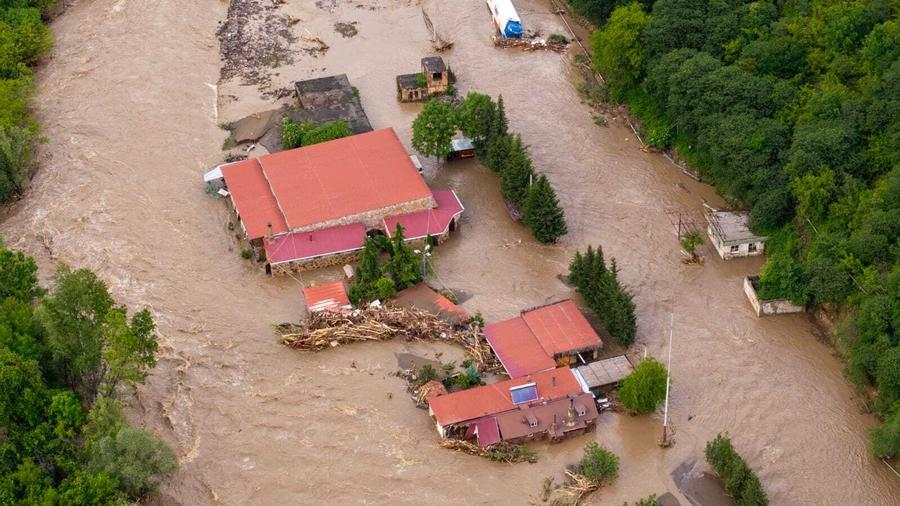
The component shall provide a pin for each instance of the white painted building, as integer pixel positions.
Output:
(730, 234)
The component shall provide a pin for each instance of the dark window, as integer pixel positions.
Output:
(752, 247)
(436, 76)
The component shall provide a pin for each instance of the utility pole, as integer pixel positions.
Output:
(665, 435)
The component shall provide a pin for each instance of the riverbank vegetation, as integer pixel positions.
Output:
(599, 284)
(66, 358)
(789, 108)
(741, 482)
(23, 39)
(528, 193)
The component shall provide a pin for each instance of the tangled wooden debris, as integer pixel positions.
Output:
(500, 452)
(578, 486)
(529, 43)
(326, 329)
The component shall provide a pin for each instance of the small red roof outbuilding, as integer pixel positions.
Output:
(531, 342)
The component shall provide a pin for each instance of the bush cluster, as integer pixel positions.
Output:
(741, 482)
(791, 108)
(65, 359)
(295, 135)
(608, 299)
(598, 464)
(645, 387)
(23, 39)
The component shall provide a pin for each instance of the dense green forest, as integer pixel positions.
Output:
(23, 38)
(792, 109)
(66, 357)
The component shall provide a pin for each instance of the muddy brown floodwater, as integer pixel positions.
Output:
(130, 106)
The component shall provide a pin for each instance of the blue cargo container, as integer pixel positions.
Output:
(506, 18)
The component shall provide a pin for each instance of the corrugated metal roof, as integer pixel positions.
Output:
(253, 198)
(605, 372)
(433, 222)
(313, 184)
(517, 348)
(529, 343)
(561, 328)
(305, 245)
(328, 296)
(492, 399)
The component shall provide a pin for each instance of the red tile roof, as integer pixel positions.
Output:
(322, 182)
(253, 198)
(431, 222)
(495, 398)
(530, 343)
(326, 297)
(304, 245)
(516, 347)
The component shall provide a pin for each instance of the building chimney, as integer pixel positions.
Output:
(553, 380)
(271, 233)
(571, 415)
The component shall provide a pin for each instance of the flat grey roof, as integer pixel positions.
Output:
(731, 226)
(605, 372)
(433, 64)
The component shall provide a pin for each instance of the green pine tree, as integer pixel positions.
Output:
(404, 267)
(498, 152)
(368, 269)
(501, 124)
(543, 215)
(517, 174)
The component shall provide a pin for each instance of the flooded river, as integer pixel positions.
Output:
(130, 105)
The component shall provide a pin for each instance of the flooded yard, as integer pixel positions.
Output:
(131, 101)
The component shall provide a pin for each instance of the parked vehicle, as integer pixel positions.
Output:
(506, 19)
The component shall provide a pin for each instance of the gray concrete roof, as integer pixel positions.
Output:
(732, 226)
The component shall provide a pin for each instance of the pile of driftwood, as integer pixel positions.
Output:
(529, 44)
(501, 452)
(327, 329)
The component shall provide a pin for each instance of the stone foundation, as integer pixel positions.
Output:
(314, 263)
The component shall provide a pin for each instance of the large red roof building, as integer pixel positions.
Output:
(542, 338)
(319, 201)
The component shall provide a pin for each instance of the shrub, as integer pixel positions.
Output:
(886, 438)
(557, 38)
(599, 465)
(647, 501)
(645, 388)
(136, 459)
(741, 482)
(294, 135)
(246, 253)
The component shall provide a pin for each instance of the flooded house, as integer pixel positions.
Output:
(547, 405)
(730, 234)
(543, 338)
(434, 79)
(314, 206)
(327, 297)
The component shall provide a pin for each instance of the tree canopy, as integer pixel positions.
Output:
(599, 284)
(793, 109)
(54, 362)
(434, 128)
(645, 387)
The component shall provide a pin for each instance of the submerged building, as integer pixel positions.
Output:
(314, 206)
(543, 338)
(434, 79)
(551, 404)
(730, 234)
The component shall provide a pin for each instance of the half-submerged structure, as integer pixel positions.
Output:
(543, 338)
(551, 404)
(434, 79)
(730, 234)
(314, 206)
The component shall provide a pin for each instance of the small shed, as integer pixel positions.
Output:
(327, 297)
(604, 373)
(434, 79)
(461, 148)
(214, 180)
(730, 234)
